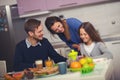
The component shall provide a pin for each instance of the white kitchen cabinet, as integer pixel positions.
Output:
(28, 6)
(114, 47)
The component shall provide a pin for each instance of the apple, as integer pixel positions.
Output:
(89, 60)
(86, 68)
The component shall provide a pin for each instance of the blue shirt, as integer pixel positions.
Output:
(25, 57)
(73, 25)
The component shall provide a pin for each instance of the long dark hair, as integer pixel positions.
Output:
(92, 32)
(50, 21)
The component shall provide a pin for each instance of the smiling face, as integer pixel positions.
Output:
(37, 34)
(85, 37)
(57, 27)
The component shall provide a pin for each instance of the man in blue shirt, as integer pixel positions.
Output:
(34, 47)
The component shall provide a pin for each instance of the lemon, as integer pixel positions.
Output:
(83, 61)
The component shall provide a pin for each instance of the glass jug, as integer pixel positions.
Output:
(73, 55)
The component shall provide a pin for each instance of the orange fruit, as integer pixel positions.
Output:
(75, 64)
(91, 65)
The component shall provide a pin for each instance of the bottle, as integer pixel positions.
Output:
(73, 55)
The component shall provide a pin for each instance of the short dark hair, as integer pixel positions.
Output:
(50, 21)
(31, 24)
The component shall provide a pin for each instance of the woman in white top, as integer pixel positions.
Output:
(92, 45)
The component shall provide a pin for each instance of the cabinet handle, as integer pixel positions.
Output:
(65, 5)
(116, 43)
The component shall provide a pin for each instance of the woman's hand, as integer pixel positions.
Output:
(77, 46)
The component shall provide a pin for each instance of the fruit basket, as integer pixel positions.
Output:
(84, 65)
(87, 64)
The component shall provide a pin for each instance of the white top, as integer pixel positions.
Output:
(89, 48)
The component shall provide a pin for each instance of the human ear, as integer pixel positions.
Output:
(30, 33)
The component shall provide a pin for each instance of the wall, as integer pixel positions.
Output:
(7, 2)
(105, 17)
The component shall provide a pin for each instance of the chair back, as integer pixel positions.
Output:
(3, 68)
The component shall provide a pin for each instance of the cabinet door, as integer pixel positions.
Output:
(27, 6)
(114, 47)
(20, 4)
(57, 4)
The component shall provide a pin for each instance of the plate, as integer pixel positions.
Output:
(46, 75)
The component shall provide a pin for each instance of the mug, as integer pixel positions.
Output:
(39, 64)
(62, 67)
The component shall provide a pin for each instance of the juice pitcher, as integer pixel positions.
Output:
(73, 55)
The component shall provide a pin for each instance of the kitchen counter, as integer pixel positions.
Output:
(59, 44)
(112, 37)
(106, 38)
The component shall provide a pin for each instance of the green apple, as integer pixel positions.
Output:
(89, 60)
(86, 68)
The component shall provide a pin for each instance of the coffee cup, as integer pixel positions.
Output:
(62, 67)
(39, 64)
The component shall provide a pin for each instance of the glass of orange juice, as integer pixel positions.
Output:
(48, 63)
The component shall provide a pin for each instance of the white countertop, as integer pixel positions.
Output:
(102, 71)
(111, 35)
(59, 44)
